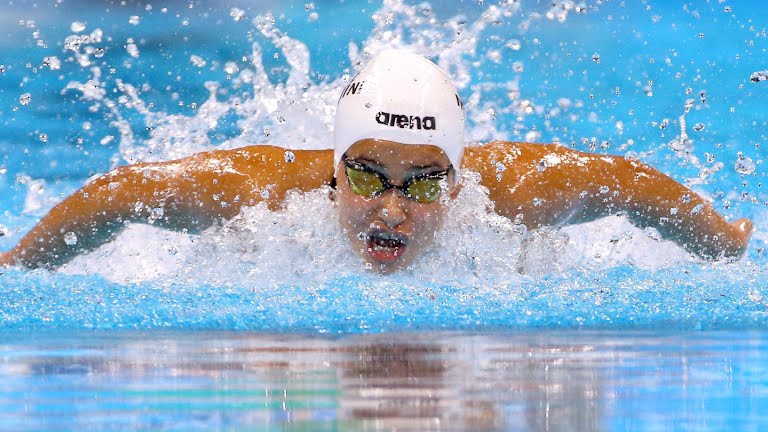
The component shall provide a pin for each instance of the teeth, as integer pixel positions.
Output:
(382, 240)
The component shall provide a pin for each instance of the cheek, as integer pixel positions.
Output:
(353, 211)
(428, 219)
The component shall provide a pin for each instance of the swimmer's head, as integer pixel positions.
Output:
(402, 97)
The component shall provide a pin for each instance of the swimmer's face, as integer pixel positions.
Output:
(389, 229)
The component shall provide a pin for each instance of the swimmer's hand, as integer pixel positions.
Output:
(741, 232)
(5, 259)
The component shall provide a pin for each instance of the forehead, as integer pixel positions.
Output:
(392, 154)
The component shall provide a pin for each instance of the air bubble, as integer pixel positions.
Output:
(134, 20)
(25, 99)
(289, 156)
(604, 189)
(596, 58)
(698, 127)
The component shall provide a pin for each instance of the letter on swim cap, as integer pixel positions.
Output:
(382, 118)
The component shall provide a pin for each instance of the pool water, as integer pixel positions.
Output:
(268, 322)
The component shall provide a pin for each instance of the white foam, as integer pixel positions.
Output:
(303, 243)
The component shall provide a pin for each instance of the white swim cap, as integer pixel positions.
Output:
(403, 97)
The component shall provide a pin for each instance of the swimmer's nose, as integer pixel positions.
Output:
(392, 211)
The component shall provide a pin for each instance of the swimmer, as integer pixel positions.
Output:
(399, 147)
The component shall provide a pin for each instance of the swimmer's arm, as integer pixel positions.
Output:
(571, 187)
(185, 195)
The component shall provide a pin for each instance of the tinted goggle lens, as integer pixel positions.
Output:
(368, 184)
(364, 183)
(425, 190)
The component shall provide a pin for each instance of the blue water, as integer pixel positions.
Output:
(615, 78)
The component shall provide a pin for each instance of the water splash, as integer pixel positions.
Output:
(475, 248)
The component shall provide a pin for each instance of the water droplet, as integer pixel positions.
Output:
(698, 127)
(514, 45)
(542, 165)
(25, 99)
(685, 198)
(77, 27)
(500, 167)
(155, 214)
(231, 68)
(43, 137)
(236, 14)
(264, 194)
(673, 211)
(70, 238)
(596, 58)
(197, 60)
(648, 90)
(604, 189)
(745, 165)
(132, 49)
(53, 63)
(697, 209)
(313, 17)
(2, 69)
(289, 156)
(134, 20)
(537, 202)
(759, 76)
(368, 104)
(652, 233)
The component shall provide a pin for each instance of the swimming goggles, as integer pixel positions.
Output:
(364, 181)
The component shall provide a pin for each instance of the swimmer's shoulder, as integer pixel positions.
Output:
(482, 157)
(302, 169)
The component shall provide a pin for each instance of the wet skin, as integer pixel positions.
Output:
(539, 185)
(390, 230)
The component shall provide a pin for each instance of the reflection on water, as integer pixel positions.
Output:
(437, 381)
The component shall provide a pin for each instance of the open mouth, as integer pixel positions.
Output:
(385, 246)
